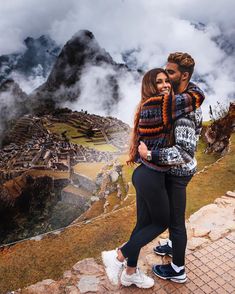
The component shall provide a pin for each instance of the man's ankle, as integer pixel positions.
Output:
(176, 267)
(169, 242)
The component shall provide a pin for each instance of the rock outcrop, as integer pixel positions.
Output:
(218, 134)
(212, 221)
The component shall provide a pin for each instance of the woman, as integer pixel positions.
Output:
(152, 126)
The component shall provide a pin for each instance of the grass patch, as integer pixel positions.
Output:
(26, 263)
(204, 159)
(206, 123)
(95, 210)
(89, 169)
(113, 201)
(59, 128)
(50, 173)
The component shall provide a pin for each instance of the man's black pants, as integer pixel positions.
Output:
(176, 191)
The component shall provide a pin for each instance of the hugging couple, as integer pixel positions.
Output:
(167, 126)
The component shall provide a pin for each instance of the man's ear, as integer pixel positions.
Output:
(185, 76)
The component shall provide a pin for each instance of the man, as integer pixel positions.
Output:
(180, 67)
(180, 158)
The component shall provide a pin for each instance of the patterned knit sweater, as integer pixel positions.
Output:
(180, 157)
(157, 117)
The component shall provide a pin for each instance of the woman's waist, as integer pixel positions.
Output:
(154, 166)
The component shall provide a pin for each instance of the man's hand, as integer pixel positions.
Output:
(143, 150)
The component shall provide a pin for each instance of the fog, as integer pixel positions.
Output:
(148, 30)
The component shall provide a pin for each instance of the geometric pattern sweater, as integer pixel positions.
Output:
(180, 158)
(157, 117)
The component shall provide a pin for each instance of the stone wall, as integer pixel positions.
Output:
(84, 181)
(76, 199)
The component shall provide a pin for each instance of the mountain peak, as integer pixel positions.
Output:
(43, 41)
(81, 50)
(84, 34)
(39, 52)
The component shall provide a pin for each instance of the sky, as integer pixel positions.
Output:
(151, 29)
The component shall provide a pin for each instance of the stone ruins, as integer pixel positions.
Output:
(33, 146)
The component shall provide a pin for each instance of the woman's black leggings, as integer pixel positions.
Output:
(153, 212)
(161, 202)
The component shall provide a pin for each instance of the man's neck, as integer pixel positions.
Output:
(182, 87)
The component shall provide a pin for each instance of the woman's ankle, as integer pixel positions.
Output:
(130, 270)
(120, 256)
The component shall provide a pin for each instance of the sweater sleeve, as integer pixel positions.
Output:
(184, 148)
(184, 103)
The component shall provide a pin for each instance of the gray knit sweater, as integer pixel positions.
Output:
(180, 157)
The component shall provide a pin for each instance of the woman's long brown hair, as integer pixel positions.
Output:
(148, 89)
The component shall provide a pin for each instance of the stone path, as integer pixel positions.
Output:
(210, 269)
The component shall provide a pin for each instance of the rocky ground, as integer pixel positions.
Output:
(209, 260)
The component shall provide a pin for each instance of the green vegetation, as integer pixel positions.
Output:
(59, 128)
(206, 123)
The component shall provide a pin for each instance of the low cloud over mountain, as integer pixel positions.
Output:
(140, 34)
(30, 67)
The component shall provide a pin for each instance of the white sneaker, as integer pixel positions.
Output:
(138, 278)
(113, 266)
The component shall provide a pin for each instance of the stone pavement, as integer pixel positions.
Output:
(210, 269)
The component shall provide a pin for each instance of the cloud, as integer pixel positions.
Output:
(149, 29)
(29, 83)
(97, 92)
(93, 85)
(22, 18)
(13, 102)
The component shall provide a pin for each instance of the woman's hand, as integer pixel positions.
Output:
(142, 149)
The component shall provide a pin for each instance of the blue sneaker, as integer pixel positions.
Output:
(166, 272)
(163, 250)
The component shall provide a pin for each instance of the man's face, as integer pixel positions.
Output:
(174, 74)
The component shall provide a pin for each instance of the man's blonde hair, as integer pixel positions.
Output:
(184, 61)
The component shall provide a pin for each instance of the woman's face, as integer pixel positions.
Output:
(163, 83)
